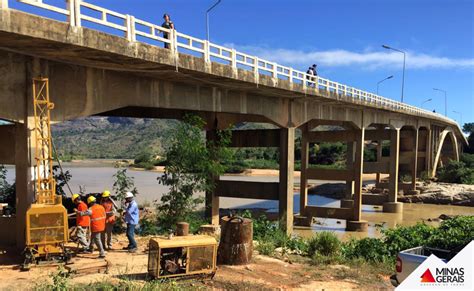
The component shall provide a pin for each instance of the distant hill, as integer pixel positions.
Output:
(109, 137)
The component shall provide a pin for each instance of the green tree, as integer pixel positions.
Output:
(191, 167)
(7, 190)
(469, 129)
(123, 184)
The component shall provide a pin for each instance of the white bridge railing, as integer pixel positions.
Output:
(78, 11)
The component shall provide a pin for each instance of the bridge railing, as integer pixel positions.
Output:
(78, 12)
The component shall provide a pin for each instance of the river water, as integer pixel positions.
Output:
(98, 177)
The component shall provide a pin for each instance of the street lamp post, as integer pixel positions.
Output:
(207, 17)
(460, 113)
(445, 101)
(378, 83)
(427, 100)
(404, 59)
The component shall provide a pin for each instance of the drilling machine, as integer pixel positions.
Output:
(46, 219)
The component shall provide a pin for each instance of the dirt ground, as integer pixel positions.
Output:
(263, 273)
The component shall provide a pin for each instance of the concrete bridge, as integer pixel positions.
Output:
(101, 62)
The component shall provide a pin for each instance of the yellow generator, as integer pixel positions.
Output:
(46, 219)
(181, 256)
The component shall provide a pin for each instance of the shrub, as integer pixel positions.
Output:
(405, 237)
(370, 249)
(323, 243)
(453, 233)
(266, 248)
(456, 172)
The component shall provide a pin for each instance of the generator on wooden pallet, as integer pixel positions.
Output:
(182, 256)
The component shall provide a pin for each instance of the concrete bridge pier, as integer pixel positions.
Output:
(351, 206)
(393, 206)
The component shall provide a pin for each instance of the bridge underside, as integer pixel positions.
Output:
(92, 73)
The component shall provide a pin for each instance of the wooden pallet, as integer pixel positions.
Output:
(99, 267)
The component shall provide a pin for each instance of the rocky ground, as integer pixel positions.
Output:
(430, 193)
(442, 193)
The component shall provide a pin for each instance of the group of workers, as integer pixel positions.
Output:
(100, 218)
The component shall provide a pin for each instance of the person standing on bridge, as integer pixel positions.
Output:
(309, 74)
(168, 24)
(315, 69)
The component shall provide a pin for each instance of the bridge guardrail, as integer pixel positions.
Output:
(135, 28)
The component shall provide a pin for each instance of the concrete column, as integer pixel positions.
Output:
(287, 158)
(379, 159)
(414, 162)
(348, 201)
(357, 224)
(212, 200)
(304, 166)
(24, 179)
(392, 205)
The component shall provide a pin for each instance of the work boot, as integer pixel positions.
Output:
(132, 250)
(101, 256)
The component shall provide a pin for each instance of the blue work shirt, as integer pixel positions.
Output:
(131, 213)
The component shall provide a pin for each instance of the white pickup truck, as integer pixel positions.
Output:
(408, 260)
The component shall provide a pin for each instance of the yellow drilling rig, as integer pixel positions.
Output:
(46, 219)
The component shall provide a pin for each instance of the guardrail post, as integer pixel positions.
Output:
(255, 70)
(131, 28)
(77, 12)
(234, 59)
(3, 4)
(174, 42)
(290, 73)
(275, 71)
(72, 15)
(207, 49)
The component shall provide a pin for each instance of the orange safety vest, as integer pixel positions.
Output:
(109, 211)
(97, 218)
(83, 221)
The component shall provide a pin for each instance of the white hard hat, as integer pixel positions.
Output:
(129, 195)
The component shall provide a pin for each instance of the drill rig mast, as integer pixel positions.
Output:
(46, 219)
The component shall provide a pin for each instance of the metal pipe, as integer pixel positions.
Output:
(207, 18)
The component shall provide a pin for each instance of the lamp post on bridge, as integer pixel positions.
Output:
(427, 100)
(457, 112)
(445, 101)
(207, 17)
(404, 59)
(378, 83)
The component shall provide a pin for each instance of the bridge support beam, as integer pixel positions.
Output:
(304, 167)
(414, 162)
(393, 206)
(287, 157)
(357, 224)
(212, 200)
(348, 201)
(24, 179)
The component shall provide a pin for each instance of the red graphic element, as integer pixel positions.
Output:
(427, 277)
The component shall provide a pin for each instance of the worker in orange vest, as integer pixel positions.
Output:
(82, 221)
(98, 216)
(109, 207)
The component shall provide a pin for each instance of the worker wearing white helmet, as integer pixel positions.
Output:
(131, 218)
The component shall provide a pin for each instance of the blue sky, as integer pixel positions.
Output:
(344, 38)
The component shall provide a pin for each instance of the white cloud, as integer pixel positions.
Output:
(367, 59)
